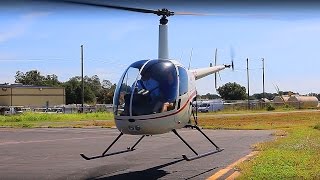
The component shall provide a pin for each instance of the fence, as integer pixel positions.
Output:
(259, 105)
(67, 109)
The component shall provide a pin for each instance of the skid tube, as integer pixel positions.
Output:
(197, 156)
(104, 154)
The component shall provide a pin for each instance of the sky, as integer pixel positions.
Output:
(47, 37)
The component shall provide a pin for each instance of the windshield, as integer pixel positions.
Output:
(203, 105)
(147, 87)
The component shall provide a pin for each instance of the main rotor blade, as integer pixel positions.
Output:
(159, 12)
(191, 14)
(224, 14)
(112, 6)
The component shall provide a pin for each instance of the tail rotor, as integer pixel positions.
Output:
(232, 57)
(215, 74)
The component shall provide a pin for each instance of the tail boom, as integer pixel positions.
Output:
(203, 72)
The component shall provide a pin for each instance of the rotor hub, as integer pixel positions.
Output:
(164, 12)
(163, 20)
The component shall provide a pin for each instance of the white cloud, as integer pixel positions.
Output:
(21, 26)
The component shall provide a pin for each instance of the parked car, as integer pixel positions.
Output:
(11, 110)
(48, 110)
(210, 105)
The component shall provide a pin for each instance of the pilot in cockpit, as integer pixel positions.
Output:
(146, 94)
(167, 93)
(148, 85)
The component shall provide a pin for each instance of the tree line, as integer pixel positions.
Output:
(95, 90)
(234, 91)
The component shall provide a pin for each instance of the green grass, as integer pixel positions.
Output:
(296, 156)
(295, 152)
(31, 120)
(263, 110)
(261, 121)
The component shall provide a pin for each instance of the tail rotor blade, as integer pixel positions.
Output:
(215, 57)
(215, 80)
(232, 65)
(232, 57)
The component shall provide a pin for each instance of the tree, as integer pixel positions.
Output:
(106, 93)
(209, 96)
(52, 80)
(232, 91)
(106, 84)
(73, 89)
(94, 84)
(35, 78)
(269, 96)
(314, 94)
(32, 77)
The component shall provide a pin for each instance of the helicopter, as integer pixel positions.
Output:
(137, 111)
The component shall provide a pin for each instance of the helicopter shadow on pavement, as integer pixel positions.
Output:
(151, 173)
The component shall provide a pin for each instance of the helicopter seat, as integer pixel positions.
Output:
(141, 104)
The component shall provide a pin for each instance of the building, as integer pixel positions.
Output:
(281, 100)
(31, 96)
(303, 101)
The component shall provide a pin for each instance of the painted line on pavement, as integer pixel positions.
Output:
(231, 166)
(233, 175)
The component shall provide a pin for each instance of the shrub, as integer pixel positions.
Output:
(287, 107)
(270, 108)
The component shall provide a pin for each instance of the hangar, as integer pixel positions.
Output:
(31, 96)
(281, 100)
(303, 101)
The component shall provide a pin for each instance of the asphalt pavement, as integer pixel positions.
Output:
(54, 153)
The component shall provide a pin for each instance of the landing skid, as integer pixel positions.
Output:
(104, 154)
(129, 149)
(197, 156)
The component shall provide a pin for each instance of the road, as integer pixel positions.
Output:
(54, 153)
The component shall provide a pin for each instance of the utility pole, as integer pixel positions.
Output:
(82, 82)
(264, 93)
(248, 82)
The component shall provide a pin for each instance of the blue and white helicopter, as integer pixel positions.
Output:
(136, 112)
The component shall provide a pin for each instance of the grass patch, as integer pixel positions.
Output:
(261, 121)
(284, 108)
(30, 120)
(295, 154)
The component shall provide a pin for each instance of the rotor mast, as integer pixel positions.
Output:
(163, 48)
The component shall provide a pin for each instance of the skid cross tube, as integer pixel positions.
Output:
(197, 127)
(114, 153)
(198, 155)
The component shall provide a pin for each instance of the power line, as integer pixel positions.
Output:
(36, 60)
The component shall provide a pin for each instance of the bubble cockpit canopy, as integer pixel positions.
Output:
(146, 87)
